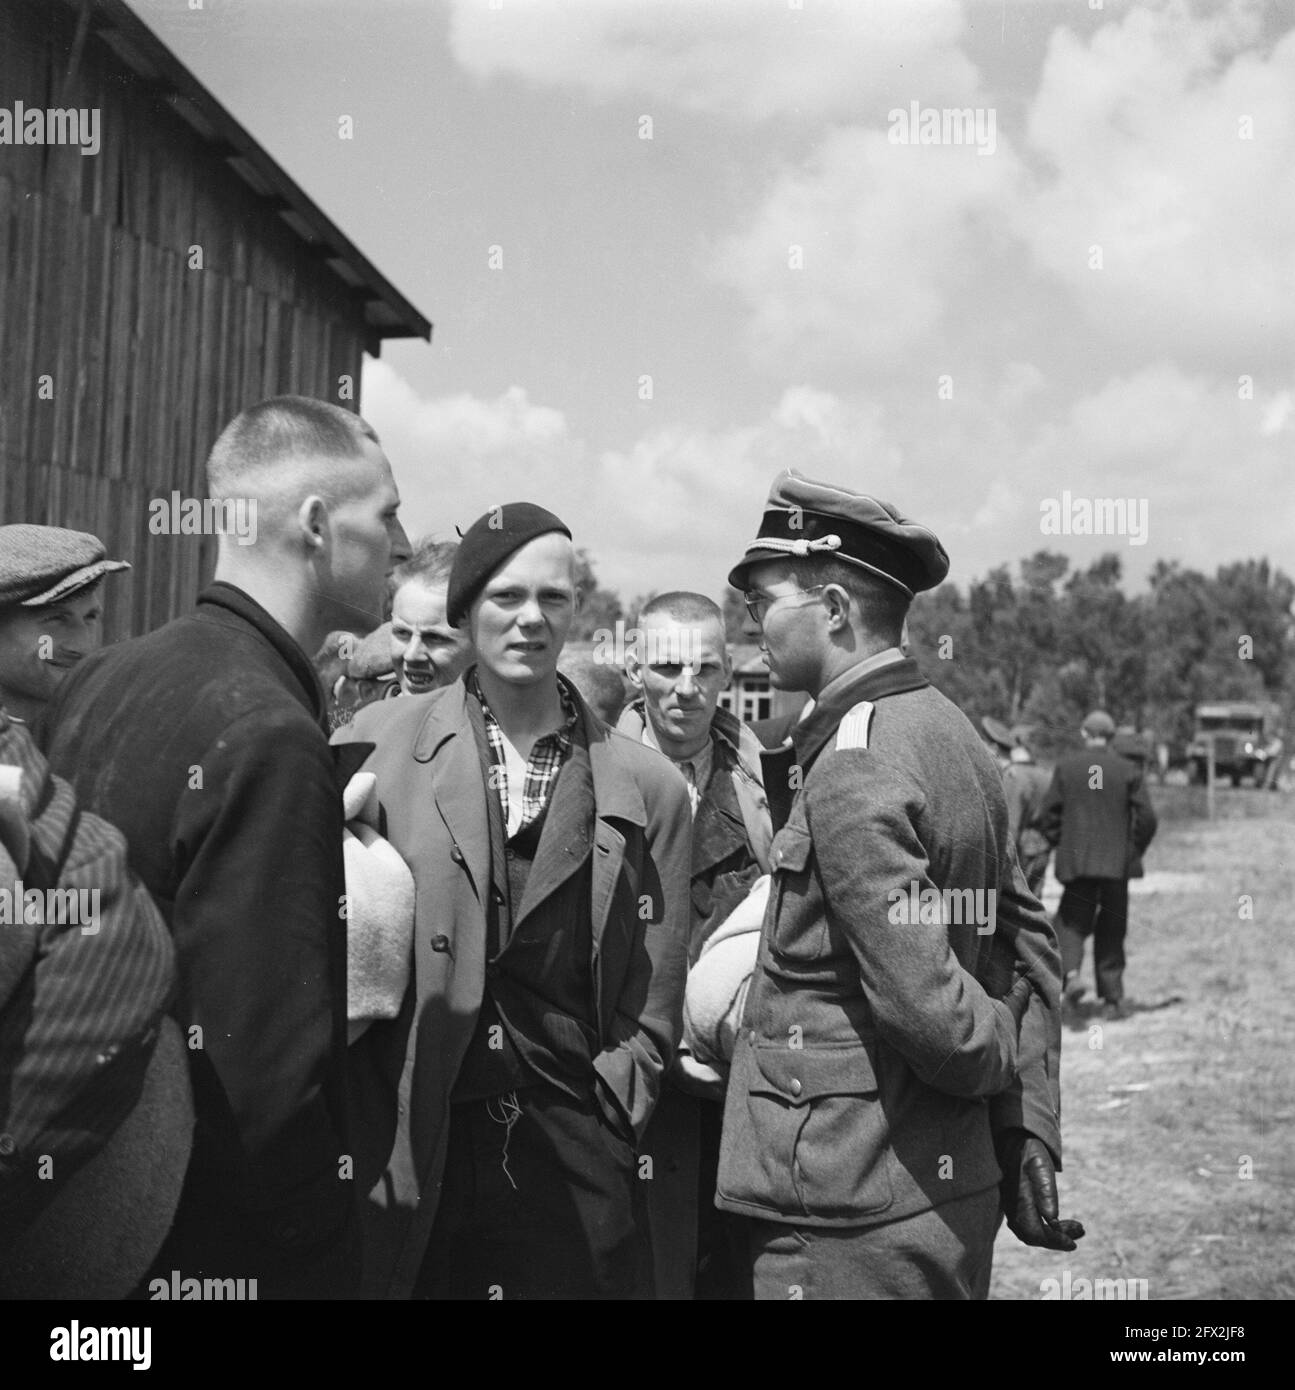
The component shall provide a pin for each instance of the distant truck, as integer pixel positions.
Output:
(1246, 742)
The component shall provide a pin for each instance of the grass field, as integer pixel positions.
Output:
(1179, 1122)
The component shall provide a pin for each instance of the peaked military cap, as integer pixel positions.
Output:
(804, 518)
(40, 565)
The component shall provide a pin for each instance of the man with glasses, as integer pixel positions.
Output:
(897, 1058)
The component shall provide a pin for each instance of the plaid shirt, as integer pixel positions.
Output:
(543, 765)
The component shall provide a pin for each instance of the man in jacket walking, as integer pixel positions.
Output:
(205, 743)
(1099, 816)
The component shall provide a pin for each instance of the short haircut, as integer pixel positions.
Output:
(683, 607)
(261, 453)
(430, 563)
(882, 606)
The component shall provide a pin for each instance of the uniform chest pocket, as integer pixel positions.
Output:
(799, 931)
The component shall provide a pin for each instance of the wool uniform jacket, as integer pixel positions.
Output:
(1099, 816)
(433, 809)
(879, 1048)
(204, 743)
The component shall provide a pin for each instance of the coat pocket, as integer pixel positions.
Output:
(812, 1136)
(799, 924)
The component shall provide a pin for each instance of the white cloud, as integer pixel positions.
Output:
(1143, 131)
(744, 59)
(885, 231)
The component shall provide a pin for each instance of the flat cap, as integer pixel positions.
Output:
(803, 518)
(371, 657)
(40, 565)
(1099, 722)
(997, 732)
(487, 544)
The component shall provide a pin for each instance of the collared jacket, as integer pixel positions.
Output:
(887, 1033)
(204, 743)
(1098, 815)
(433, 809)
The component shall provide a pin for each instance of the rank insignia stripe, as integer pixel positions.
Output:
(853, 730)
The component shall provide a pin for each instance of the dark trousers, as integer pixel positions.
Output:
(944, 1253)
(723, 1253)
(539, 1201)
(1096, 907)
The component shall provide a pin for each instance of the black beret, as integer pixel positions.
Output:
(803, 518)
(487, 544)
(40, 565)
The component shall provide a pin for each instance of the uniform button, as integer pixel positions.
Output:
(795, 1086)
(456, 854)
(107, 1054)
(7, 1144)
(499, 897)
(440, 943)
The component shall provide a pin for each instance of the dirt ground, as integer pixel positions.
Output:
(1179, 1122)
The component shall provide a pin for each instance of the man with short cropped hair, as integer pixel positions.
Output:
(550, 860)
(205, 743)
(680, 664)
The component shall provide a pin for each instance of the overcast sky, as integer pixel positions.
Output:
(1090, 283)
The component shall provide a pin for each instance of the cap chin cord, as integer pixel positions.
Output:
(801, 547)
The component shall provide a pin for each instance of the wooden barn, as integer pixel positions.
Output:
(159, 272)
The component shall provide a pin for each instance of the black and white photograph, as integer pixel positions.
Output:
(647, 653)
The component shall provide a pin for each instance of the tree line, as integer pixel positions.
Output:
(1043, 647)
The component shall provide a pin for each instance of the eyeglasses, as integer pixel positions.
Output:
(757, 605)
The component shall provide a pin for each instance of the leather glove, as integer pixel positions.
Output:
(1029, 1193)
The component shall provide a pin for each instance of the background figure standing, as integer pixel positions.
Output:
(680, 667)
(1099, 816)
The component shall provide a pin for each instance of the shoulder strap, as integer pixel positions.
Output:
(855, 726)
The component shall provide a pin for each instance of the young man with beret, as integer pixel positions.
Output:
(205, 743)
(897, 1058)
(50, 609)
(550, 857)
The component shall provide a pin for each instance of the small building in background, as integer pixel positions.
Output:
(150, 290)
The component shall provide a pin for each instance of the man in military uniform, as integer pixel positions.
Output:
(896, 1069)
(680, 669)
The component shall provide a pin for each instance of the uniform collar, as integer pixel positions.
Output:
(887, 673)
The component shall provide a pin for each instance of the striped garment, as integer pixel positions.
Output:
(543, 765)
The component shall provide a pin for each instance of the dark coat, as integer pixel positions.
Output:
(432, 795)
(1098, 815)
(204, 744)
(878, 1056)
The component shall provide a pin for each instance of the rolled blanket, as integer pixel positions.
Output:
(717, 986)
(380, 912)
